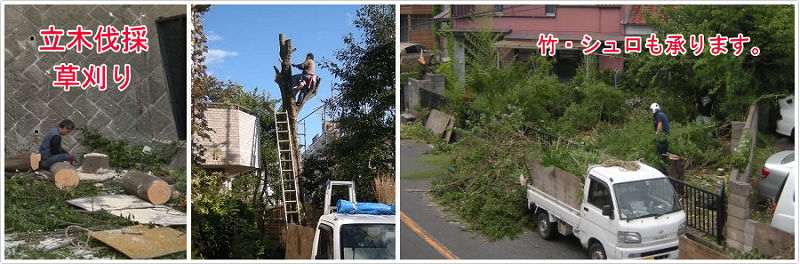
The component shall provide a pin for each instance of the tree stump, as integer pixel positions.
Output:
(676, 171)
(94, 162)
(63, 175)
(23, 162)
(148, 187)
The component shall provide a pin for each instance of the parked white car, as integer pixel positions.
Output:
(786, 118)
(783, 214)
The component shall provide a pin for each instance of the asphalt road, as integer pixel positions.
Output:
(442, 239)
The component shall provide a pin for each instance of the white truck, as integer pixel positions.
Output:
(619, 214)
(353, 235)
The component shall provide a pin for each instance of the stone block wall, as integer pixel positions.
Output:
(738, 211)
(142, 111)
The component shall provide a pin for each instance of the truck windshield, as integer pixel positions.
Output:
(646, 198)
(367, 241)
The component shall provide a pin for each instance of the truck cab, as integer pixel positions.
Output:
(347, 232)
(630, 214)
(359, 236)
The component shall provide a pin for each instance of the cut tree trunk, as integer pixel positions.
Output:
(283, 77)
(23, 162)
(63, 175)
(147, 187)
(93, 162)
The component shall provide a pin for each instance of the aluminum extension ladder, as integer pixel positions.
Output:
(289, 191)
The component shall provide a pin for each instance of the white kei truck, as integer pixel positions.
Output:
(617, 213)
(353, 235)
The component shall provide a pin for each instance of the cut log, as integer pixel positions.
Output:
(93, 162)
(23, 162)
(148, 187)
(63, 175)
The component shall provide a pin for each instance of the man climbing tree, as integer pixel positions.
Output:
(304, 81)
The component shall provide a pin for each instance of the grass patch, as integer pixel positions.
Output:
(426, 174)
(440, 161)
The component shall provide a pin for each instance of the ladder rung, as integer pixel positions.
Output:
(283, 140)
(283, 131)
(290, 201)
(292, 212)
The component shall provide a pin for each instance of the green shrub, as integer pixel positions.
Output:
(125, 155)
(609, 101)
(578, 117)
(223, 226)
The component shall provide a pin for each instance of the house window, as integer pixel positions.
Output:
(498, 10)
(550, 10)
(172, 41)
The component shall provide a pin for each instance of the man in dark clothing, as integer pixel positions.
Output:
(51, 149)
(703, 107)
(660, 124)
(304, 80)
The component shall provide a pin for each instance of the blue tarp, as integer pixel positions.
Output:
(348, 207)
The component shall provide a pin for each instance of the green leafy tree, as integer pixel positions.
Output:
(224, 224)
(199, 125)
(365, 106)
(737, 81)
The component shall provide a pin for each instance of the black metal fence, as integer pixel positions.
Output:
(705, 210)
(432, 100)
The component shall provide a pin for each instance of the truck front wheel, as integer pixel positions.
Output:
(596, 251)
(546, 229)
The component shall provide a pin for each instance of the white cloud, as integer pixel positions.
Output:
(217, 55)
(349, 18)
(213, 36)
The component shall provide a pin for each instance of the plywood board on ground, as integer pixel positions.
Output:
(141, 242)
(129, 206)
(110, 202)
(164, 216)
(437, 122)
(299, 241)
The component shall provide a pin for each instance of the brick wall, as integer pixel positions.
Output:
(32, 104)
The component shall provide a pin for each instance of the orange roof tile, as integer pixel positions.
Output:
(637, 14)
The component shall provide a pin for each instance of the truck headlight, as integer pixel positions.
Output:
(629, 237)
(682, 229)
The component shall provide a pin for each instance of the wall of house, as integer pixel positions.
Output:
(234, 140)
(571, 20)
(416, 24)
(142, 111)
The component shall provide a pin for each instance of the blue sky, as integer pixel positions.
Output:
(243, 45)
